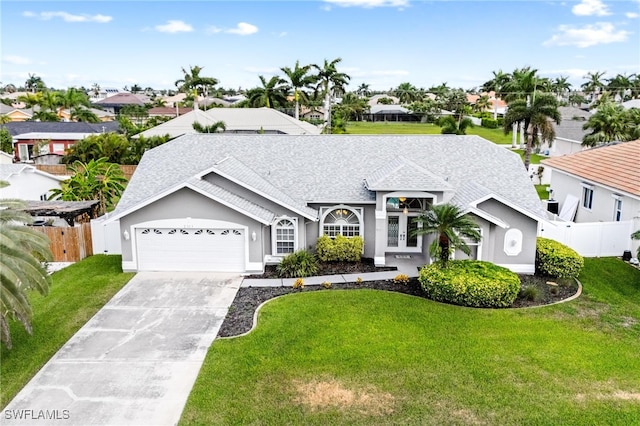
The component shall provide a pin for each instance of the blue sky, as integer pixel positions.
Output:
(381, 42)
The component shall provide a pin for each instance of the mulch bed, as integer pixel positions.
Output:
(239, 319)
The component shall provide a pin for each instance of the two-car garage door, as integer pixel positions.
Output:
(190, 249)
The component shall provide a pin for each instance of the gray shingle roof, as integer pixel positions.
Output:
(20, 127)
(571, 130)
(403, 174)
(331, 168)
(236, 169)
(229, 197)
(469, 192)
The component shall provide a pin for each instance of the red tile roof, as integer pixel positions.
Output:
(616, 166)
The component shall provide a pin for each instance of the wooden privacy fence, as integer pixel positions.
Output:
(70, 244)
(61, 169)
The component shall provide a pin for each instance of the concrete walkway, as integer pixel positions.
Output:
(135, 361)
(405, 264)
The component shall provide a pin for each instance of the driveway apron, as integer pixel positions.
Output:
(135, 361)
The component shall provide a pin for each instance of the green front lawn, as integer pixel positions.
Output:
(542, 191)
(400, 128)
(371, 357)
(76, 294)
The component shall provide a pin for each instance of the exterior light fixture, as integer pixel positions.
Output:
(253, 236)
(125, 234)
(405, 211)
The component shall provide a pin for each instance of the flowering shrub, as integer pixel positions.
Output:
(358, 280)
(554, 259)
(470, 283)
(401, 279)
(326, 284)
(298, 284)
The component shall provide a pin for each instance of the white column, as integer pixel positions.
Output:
(514, 135)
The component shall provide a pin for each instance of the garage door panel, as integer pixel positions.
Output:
(179, 249)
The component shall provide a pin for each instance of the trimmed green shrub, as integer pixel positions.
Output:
(473, 283)
(298, 264)
(489, 123)
(554, 259)
(339, 249)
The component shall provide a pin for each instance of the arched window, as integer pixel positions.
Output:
(343, 220)
(284, 236)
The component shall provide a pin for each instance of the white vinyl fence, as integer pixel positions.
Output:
(593, 239)
(106, 238)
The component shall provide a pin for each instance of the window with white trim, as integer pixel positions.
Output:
(343, 220)
(617, 209)
(587, 197)
(284, 236)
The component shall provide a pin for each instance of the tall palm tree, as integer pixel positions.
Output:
(594, 85)
(524, 82)
(22, 250)
(621, 85)
(537, 116)
(72, 98)
(560, 86)
(608, 124)
(482, 104)
(84, 115)
(299, 79)
(363, 90)
(272, 93)
(330, 83)
(34, 83)
(193, 81)
(451, 226)
(496, 85)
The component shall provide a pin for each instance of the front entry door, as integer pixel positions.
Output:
(400, 233)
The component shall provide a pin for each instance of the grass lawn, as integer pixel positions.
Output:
(77, 293)
(535, 158)
(542, 191)
(400, 128)
(370, 357)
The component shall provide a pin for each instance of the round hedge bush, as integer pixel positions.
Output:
(554, 259)
(472, 283)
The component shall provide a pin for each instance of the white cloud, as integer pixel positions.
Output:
(68, 17)
(632, 15)
(243, 29)
(589, 35)
(16, 60)
(369, 3)
(174, 26)
(213, 30)
(590, 8)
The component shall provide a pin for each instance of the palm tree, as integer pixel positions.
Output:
(299, 78)
(272, 93)
(496, 85)
(213, 128)
(451, 226)
(72, 98)
(84, 115)
(621, 85)
(524, 82)
(34, 83)
(330, 83)
(95, 89)
(193, 81)
(363, 90)
(594, 84)
(537, 116)
(560, 86)
(406, 92)
(609, 123)
(21, 270)
(482, 104)
(95, 180)
(451, 126)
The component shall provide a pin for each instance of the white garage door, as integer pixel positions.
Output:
(190, 249)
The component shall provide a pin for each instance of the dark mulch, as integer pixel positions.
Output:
(240, 317)
(333, 268)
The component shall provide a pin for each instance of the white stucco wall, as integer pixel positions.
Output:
(29, 185)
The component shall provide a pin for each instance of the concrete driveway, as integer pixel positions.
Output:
(135, 361)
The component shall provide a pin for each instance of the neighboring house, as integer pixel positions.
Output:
(312, 113)
(65, 114)
(32, 138)
(15, 114)
(27, 183)
(374, 100)
(569, 132)
(168, 111)
(633, 103)
(602, 184)
(115, 103)
(237, 202)
(381, 112)
(236, 120)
